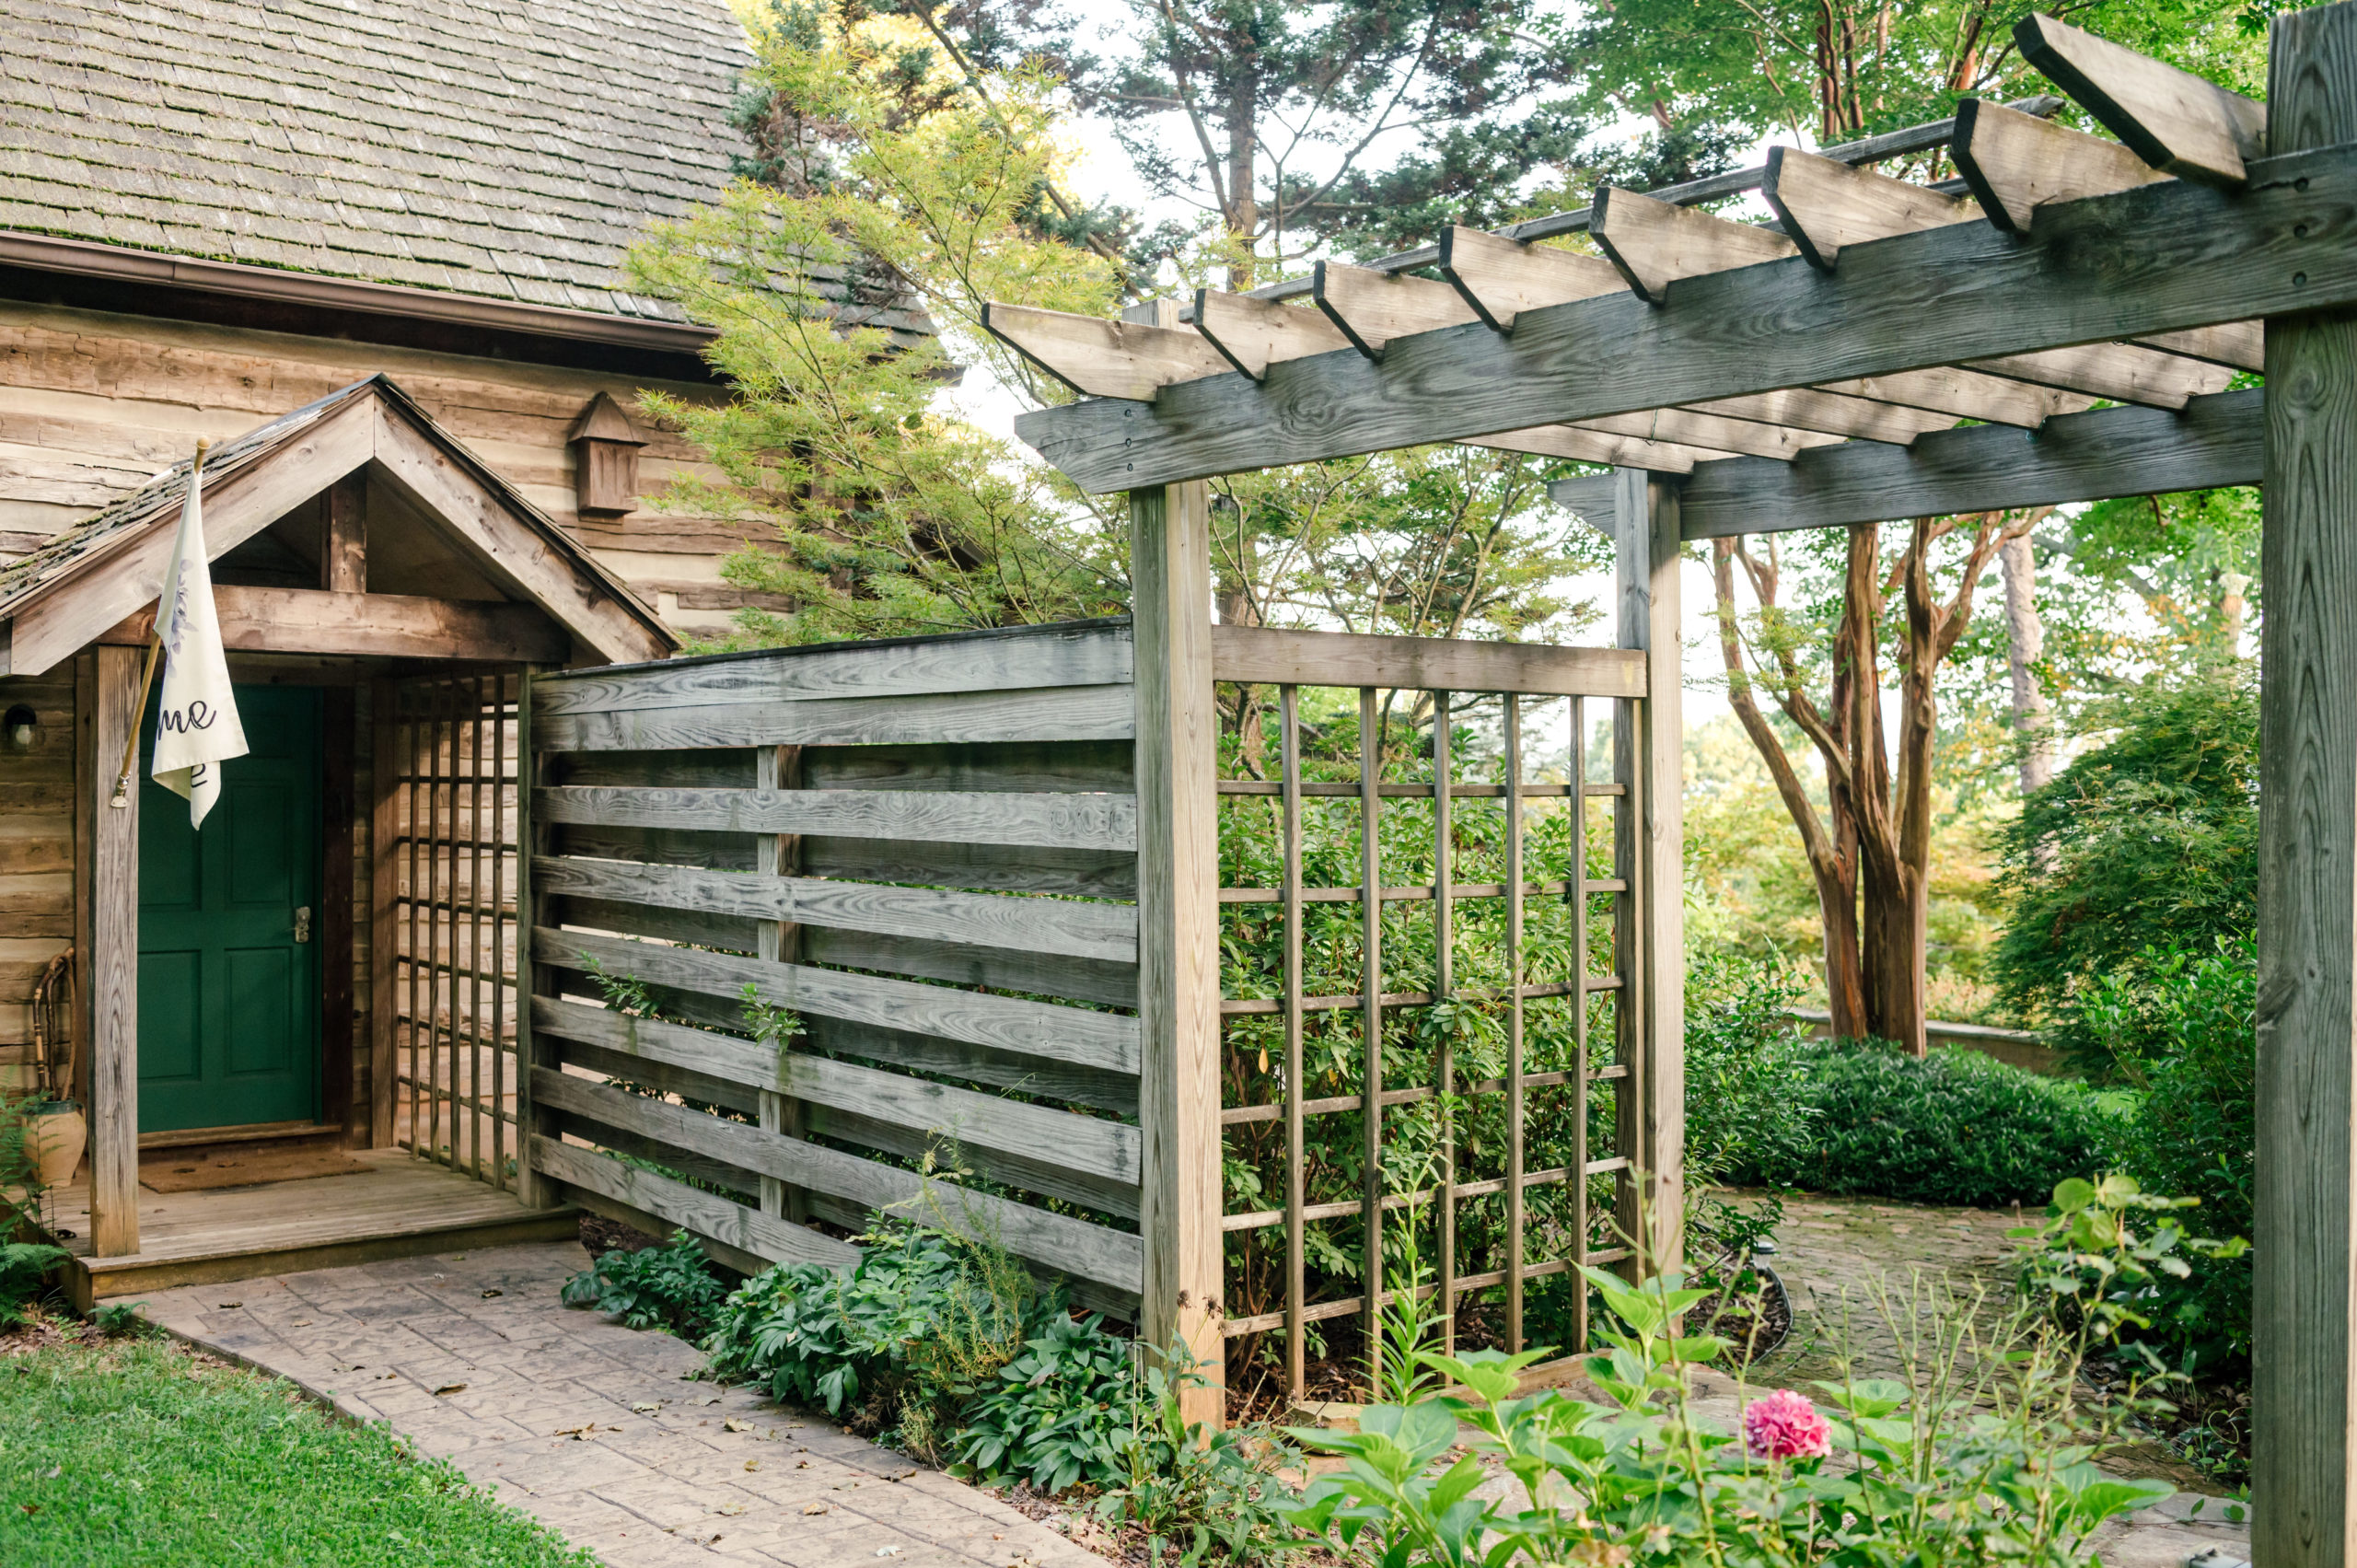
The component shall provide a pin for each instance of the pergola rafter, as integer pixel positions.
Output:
(1884, 350)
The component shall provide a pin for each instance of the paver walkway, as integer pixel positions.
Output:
(591, 1426)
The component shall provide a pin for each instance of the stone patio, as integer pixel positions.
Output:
(594, 1428)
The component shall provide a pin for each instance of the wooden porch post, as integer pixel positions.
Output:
(1178, 736)
(109, 937)
(1652, 930)
(2304, 1460)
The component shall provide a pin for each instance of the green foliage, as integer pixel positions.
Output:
(23, 1264)
(2144, 844)
(1983, 1454)
(132, 1452)
(2180, 1028)
(1951, 1127)
(1202, 1495)
(671, 1286)
(1746, 1075)
(1055, 1415)
(121, 1319)
(905, 1336)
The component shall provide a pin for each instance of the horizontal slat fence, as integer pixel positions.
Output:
(925, 853)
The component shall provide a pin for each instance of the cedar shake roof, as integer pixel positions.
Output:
(508, 149)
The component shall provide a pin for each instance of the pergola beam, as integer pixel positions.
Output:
(2216, 441)
(2175, 119)
(2159, 259)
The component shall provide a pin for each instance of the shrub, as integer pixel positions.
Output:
(1952, 1127)
(2181, 1028)
(671, 1286)
(23, 1265)
(1985, 1454)
(1055, 1415)
(1745, 1068)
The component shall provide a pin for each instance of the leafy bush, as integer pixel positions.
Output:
(904, 1337)
(1056, 1414)
(1216, 1495)
(1952, 1127)
(2147, 842)
(2181, 1028)
(23, 1264)
(1745, 1073)
(1985, 1455)
(671, 1286)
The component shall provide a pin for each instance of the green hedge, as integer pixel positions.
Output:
(1953, 1127)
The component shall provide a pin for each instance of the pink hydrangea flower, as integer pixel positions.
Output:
(1784, 1425)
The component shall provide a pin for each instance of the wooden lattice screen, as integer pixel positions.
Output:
(1473, 1024)
(449, 743)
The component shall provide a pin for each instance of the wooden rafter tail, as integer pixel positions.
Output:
(2172, 118)
(1717, 431)
(1653, 244)
(1103, 359)
(1252, 334)
(1831, 414)
(1826, 205)
(1370, 308)
(1598, 447)
(1500, 278)
(2016, 163)
(1966, 394)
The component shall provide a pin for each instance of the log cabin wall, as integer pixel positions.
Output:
(93, 404)
(36, 856)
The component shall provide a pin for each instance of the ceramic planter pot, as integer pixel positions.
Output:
(55, 1134)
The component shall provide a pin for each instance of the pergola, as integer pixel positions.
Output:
(2064, 324)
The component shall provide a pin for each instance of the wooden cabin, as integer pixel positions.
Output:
(378, 258)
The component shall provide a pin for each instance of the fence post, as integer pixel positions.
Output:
(1177, 770)
(533, 979)
(2304, 1462)
(1653, 930)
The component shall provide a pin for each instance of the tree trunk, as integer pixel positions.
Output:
(2025, 645)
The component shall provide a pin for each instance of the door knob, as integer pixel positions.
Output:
(303, 923)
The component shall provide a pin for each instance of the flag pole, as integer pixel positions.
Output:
(122, 799)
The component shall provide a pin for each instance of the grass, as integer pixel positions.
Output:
(132, 1452)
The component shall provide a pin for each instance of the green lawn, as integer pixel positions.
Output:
(134, 1453)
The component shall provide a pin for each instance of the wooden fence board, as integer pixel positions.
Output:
(1088, 766)
(979, 1064)
(662, 846)
(1432, 663)
(1049, 657)
(1034, 1029)
(1079, 873)
(676, 1202)
(996, 969)
(1071, 821)
(727, 932)
(1072, 712)
(1092, 1145)
(1093, 1251)
(1043, 926)
(729, 768)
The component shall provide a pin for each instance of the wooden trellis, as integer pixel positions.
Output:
(1378, 672)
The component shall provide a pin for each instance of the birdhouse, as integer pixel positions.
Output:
(605, 459)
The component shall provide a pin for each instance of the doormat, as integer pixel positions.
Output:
(198, 1170)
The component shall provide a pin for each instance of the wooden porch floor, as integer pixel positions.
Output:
(397, 1206)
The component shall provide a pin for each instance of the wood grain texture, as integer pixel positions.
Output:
(1707, 431)
(1116, 1092)
(1083, 712)
(1088, 874)
(1370, 308)
(1027, 970)
(1501, 278)
(1062, 1242)
(2303, 1350)
(1098, 359)
(1965, 394)
(1046, 925)
(343, 564)
(1179, 960)
(1826, 205)
(676, 1203)
(1834, 414)
(994, 661)
(1424, 664)
(1064, 820)
(308, 620)
(1251, 334)
(1086, 766)
(2158, 259)
(1089, 1144)
(1597, 446)
(384, 903)
(2016, 163)
(2175, 119)
(1107, 1040)
(1653, 244)
(2215, 442)
(114, 968)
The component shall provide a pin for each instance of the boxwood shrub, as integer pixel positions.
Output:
(1952, 1127)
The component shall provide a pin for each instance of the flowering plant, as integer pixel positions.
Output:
(1984, 1453)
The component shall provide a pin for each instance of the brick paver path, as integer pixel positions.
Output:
(591, 1426)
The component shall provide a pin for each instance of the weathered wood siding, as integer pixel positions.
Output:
(93, 405)
(36, 856)
(924, 849)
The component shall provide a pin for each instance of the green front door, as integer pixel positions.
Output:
(228, 971)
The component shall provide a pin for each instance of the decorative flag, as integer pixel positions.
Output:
(196, 717)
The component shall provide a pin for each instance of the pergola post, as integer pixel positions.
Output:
(1178, 981)
(107, 905)
(2304, 1461)
(1652, 932)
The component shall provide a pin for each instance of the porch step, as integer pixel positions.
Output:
(261, 1133)
(398, 1207)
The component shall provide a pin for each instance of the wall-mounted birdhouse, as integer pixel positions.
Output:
(605, 459)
